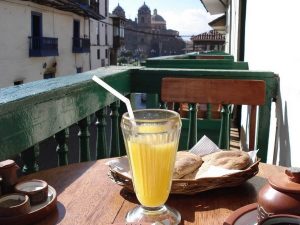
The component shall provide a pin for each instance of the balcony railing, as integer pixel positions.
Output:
(81, 45)
(43, 46)
(33, 112)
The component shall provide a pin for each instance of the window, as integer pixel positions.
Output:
(49, 75)
(106, 8)
(18, 82)
(98, 34)
(106, 53)
(102, 62)
(98, 53)
(106, 39)
(78, 69)
(143, 19)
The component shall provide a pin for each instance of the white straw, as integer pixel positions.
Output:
(115, 93)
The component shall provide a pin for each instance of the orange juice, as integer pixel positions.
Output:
(152, 159)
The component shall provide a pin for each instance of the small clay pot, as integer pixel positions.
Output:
(8, 172)
(14, 205)
(281, 195)
(37, 190)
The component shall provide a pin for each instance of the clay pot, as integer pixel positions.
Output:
(8, 172)
(37, 190)
(14, 205)
(281, 195)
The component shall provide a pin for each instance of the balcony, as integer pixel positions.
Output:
(43, 46)
(34, 112)
(81, 45)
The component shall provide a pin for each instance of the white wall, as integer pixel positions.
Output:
(95, 25)
(272, 44)
(15, 27)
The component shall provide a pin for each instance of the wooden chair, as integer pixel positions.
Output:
(216, 91)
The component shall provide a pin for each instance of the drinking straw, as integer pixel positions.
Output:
(115, 93)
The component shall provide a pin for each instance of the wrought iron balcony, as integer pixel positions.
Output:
(81, 45)
(43, 46)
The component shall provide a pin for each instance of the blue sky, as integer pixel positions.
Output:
(186, 16)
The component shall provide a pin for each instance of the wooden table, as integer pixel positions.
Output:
(86, 195)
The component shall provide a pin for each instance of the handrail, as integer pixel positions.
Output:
(32, 112)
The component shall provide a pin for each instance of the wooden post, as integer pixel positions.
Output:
(192, 133)
(29, 157)
(115, 144)
(61, 138)
(84, 142)
(224, 139)
(101, 143)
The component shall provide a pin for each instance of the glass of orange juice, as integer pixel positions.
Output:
(151, 141)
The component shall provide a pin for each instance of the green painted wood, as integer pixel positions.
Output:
(29, 158)
(208, 111)
(43, 108)
(192, 134)
(224, 139)
(197, 64)
(101, 142)
(209, 128)
(115, 140)
(61, 138)
(84, 139)
(152, 101)
(149, 80)
(122, 110)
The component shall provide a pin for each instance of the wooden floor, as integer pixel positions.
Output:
(235, 143)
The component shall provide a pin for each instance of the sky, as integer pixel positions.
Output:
(189, 17)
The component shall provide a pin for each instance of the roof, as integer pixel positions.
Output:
(157, 18)
(119, 11)
(212, 35)
(144, 9)
(72, 6)
(218, 21)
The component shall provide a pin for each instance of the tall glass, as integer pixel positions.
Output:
(151, 141)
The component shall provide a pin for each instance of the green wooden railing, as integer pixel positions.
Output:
(33, 112)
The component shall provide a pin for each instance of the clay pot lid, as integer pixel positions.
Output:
(288, 181)
(7, 163)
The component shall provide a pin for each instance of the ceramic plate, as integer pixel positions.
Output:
(36, 212)
(246, 215)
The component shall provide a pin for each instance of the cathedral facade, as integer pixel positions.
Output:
(148, 35)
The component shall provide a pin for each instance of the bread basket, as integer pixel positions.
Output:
(189, 187)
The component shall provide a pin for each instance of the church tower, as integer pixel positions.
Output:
(144, 16)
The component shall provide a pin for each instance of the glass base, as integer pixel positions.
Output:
(163, 215)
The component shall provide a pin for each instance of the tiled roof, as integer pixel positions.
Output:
(212, 35)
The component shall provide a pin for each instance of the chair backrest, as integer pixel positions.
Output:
(217, 91)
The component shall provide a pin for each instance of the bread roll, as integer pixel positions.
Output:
(186, 163)
(228, 159)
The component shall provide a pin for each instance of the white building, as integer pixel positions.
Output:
(44, 39)
(259, 32)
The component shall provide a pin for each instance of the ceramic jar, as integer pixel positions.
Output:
(8, 172)
(281, 195)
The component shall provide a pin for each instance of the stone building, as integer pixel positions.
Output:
(208, 41)
(148, 36)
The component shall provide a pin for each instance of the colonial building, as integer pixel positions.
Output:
(148, 35)
(209, 41)
(50, 38)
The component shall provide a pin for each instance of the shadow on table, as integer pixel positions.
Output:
(55, 216)
(225, 198)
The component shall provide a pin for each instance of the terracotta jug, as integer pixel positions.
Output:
(281, 195)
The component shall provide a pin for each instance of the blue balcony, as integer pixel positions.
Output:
(43, 46)
(81, 45)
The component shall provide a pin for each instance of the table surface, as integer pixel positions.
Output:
(86, 195)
